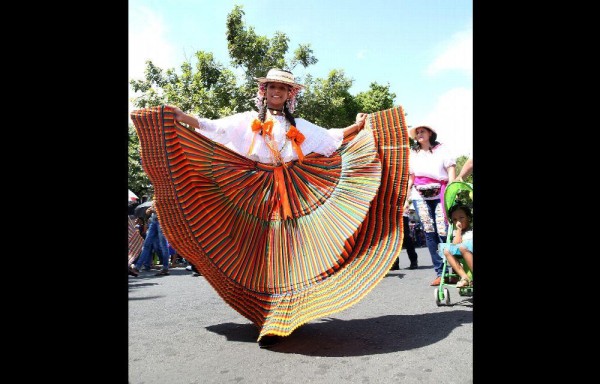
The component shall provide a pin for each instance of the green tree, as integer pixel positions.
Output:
(460, 161)
(328, 102)
(137, 179)
(211, 90)
(377, 98)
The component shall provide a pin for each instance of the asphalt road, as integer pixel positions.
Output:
(181, 331)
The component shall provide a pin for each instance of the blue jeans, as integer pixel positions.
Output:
(155, 240)
(435, 226)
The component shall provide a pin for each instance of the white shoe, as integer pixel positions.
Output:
(188, 268)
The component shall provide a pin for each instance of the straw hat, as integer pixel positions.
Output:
(280, 76)
(412, 131)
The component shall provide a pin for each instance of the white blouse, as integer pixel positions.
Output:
(468, 235)
(235, 132)
(431, 164)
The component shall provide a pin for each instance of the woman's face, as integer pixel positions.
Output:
(422, 135)
(277, 94)
(460, 215)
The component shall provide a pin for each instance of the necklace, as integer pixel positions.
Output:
(276, 111)
(286, 127)
(274, 145)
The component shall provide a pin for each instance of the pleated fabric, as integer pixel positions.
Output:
(224, 214)
(136, 241)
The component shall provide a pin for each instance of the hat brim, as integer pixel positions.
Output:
(283, 81)
(412, 132)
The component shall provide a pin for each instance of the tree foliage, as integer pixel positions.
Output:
(212, 90)
(377, 98)
(137, 179)
(460, 161)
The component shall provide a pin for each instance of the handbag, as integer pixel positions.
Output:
(429, 190)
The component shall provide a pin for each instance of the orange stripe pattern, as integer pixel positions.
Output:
(281, 257)
(136, 241)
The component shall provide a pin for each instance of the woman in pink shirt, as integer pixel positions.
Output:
(431, 169)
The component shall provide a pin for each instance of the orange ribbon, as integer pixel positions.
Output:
(297, 138)
(282, 196)
(267, 127)
(257, 126)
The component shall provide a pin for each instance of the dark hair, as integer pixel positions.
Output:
(466, 209)
(262, 114)
(432, 141)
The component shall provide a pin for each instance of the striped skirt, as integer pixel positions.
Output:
(223, 213)
(136, 242)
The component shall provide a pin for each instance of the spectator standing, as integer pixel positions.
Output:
(466, 170)
(408, 244)
(431, 169)
(155, 240)
(140, 226)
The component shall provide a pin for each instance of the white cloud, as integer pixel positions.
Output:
(361, 54)
(452, 118)
(148, 41)
(457, 54)
(452, 114)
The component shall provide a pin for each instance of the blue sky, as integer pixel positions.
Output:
(422, 48)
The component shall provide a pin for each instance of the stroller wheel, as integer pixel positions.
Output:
(447, 296)
(438, 302)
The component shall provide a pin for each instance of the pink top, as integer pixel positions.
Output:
(429, 166)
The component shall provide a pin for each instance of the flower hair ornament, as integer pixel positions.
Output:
(291, 102)
(260, 96)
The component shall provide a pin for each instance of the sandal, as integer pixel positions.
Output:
(463, 283)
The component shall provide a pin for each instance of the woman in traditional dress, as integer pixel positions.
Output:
(284, 218)
(274, 136)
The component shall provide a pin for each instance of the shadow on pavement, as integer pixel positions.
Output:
(395, 274)
(145, 298)
(134, 285)
(331, 337)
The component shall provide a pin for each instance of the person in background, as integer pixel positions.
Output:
(431, 169)
(193, 269)
(466, 170)
(173, 255)
(155, 239)
(135, 243)
(408, 244)
(140, 226)
(462, 243)
(131, 207)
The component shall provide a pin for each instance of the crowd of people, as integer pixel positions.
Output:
(275, 137)
(156, 252)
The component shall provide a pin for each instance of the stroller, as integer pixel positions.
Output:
(456, 192)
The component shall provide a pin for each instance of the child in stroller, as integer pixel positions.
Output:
(457, 251)
(462, 243)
